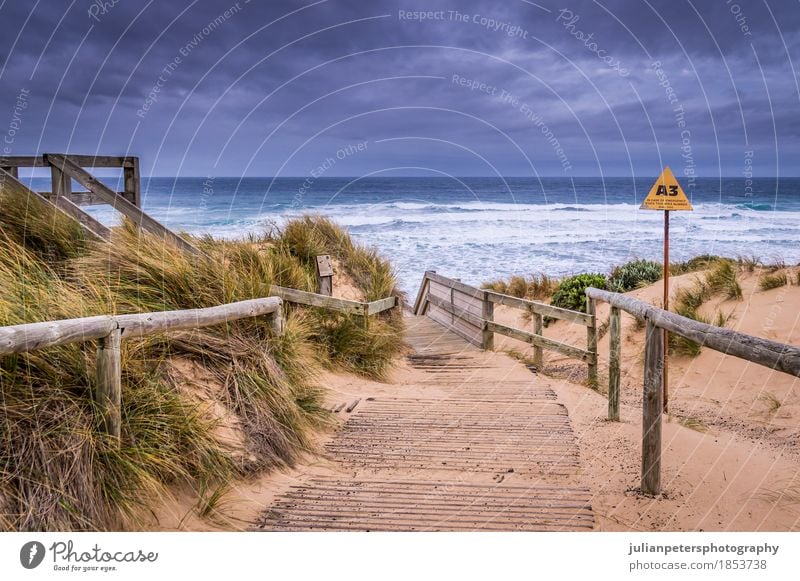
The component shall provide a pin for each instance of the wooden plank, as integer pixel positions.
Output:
(614, 358)
(652, 408)
(456, 285)
(33, 336)
(459, 313)
(778, 356)
(90, 226)
(538, 329)
(89, 223)
(422, 294)
(119, 203)
(540, 308)
(487, 314)
(81, 160)
(543, 342)
(139, 325)
(316, 300)
(381, 305)
(108, 384)
(87, 198)
(591, 342)
(439, 290)
(467, 303)
(444, 318)
(352, 406)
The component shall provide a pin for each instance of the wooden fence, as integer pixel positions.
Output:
(777, 356)
(363, 309)
(469, 313)
(111, 330)
(65, 168)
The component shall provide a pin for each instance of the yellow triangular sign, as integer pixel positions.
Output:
(666, 194)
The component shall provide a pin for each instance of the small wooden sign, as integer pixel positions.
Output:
(666, 194)
(324, 267)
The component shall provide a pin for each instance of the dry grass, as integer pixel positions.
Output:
(536, 287)
(59, 472)
(769, 281)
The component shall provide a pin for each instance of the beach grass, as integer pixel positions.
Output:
(769, 281)
(60, 472)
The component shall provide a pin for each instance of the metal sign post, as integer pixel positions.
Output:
(666, 194)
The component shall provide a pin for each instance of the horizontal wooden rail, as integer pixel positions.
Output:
(110, 330)
(469, 312)
(541, 308)
(777, 356)
(81, 160)
(363, 309)
(34, 336)
(540, 341)
(771, 354)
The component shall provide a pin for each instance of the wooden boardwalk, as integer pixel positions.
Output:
(474, 442)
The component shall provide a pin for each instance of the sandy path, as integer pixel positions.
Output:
(466, 441)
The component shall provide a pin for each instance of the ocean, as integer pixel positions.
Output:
(479, 229)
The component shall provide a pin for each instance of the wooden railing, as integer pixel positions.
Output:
(110, 330)
(363, 309)
(771, 354)
(469, 312)
(65, 168)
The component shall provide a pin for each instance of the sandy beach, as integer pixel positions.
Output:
(730, 456)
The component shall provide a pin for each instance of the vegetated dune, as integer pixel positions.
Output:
(199, 408)
(731, 458)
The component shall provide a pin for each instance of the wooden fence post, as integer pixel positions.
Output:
(614, 351)
(652, 409)
(538, 329)
(591, 341)
(61, 184)
(132, 182)
(276, 321)
(325, 275)
(108, 388)
(487, 314)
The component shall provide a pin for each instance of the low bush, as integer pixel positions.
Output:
(769, 281)
(634, 274)
(571, 291)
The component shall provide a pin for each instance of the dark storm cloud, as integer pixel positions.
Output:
(560, 88)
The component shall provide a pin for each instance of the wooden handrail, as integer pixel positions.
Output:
(777, 356)
(771, 354)
(468, 323)
(293, 295)
(110, 330)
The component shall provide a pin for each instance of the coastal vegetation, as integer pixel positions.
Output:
(199, 408)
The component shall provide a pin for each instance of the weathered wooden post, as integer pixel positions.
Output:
(276, 321)
(591, 341)
(487, 314)
(538, 329)
(324, 275)
(62, 184)
(652, 409)
(614, 349)
(132, 181)
(108, 387)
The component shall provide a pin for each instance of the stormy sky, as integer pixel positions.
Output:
(511, 87)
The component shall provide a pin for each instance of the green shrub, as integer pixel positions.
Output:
(571, 292)
(634, 274)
